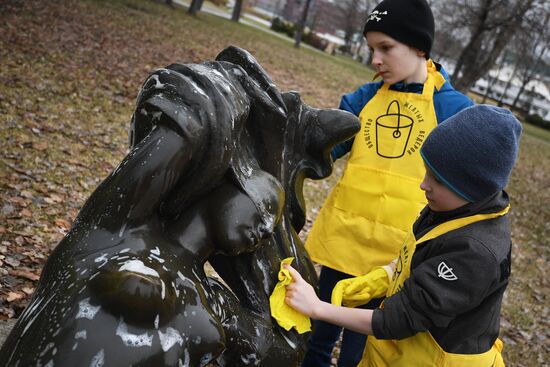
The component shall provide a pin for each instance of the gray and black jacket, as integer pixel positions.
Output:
(461, 314)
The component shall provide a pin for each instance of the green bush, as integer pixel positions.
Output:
(538, 121)
(314, 40)
(289, 28)
(283, 26)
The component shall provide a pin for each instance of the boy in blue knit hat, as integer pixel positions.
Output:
(444, 291)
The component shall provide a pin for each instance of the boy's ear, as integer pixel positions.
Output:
(420, 53)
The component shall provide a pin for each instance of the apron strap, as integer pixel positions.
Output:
(439, 79)
(498, 346)
(458, 223)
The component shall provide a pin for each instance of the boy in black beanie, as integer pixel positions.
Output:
(444, 291)
(365, 219)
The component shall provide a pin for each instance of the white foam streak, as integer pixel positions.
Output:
(86, 310)
(169, 339)
(98, 360)
(137, 266)
(133, 340)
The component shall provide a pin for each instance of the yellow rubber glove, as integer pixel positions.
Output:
(360, 290)
(286, 316)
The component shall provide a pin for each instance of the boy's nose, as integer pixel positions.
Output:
(423, 185)
(376, 59)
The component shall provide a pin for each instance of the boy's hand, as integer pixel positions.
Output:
(300, 295)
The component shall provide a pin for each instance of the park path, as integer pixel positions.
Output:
(248, 19)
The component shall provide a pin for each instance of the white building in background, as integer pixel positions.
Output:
(270, 8)
(535, 98)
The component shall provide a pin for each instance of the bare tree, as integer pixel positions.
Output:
(237, 10)
(490, 25)
(448, 36)
(508, 83)
(491, 81)
(195, 6)
(301, 25)
(529, 63)
(352, 16)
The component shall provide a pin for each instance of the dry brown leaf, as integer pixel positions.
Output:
(25, 213)
(25, 274)
(53, 199)
(27, 194)
(17, 200)
(28, 290)
(20, 240)
(63, 223)
(40, 146)
(13, 296)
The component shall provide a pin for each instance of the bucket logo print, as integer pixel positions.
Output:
(391, 133)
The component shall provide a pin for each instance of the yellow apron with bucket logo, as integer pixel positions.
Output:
(421, 349)
(366, 217)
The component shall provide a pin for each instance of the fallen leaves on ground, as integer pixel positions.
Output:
(70, 72)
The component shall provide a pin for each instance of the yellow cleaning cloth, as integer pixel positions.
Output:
(286, 316)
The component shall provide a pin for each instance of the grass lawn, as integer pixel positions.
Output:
(537, 132)
(69, 75)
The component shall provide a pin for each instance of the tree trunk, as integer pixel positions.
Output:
(237, 10)
(476, 60)
(470, 51)
(195, 6)
(528, 77)
(491, 82)
(508, 82)
(530, 69)
(301, 25)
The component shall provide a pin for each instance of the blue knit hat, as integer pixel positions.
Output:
(473, 152)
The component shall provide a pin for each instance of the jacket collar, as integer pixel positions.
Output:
(429, 219)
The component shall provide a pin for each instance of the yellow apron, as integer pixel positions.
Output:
(366, 217)
(421, 349)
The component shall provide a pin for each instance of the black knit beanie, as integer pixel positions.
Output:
(473, 152)
(408, 21)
